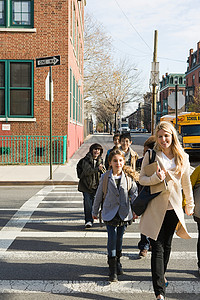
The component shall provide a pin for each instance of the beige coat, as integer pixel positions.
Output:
(152, 219)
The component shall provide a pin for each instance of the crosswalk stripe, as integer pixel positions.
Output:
(83, 255)
(6, 235)
(64, 287)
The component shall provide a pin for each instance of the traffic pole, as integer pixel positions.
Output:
(50, 119)
(153, 110)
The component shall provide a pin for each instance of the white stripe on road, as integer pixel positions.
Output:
(19, 219)
(65, 287)
(65, 201)
(10, 232)
(82, 255)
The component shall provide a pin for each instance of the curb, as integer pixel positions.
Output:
(19, 183)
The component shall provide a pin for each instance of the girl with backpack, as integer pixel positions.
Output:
(116, 201)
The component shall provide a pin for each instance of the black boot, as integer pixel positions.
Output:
(119, 265)
(112, 261)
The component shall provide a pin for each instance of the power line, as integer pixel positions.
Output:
(132, 25)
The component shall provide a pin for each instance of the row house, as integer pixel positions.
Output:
(193, 75)
(166, 101)
(35, 29)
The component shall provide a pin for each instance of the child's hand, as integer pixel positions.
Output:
(94, 217)
(135, 216)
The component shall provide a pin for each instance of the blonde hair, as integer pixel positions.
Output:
(176, 147)
(127, 169)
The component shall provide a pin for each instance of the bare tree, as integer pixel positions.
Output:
(108, 86)
(194, 105)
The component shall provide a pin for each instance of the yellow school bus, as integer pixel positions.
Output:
(188, 129)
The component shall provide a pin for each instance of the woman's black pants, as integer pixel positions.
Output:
(161, 249)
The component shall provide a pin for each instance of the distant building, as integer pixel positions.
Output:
(193, 75)
(35, 29)
(166, 102)
(141, 118)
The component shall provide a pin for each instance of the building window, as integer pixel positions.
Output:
(180, 80)
(15, 13)
(16, 88)
(70, 88)
(193, 79)
(74, 98)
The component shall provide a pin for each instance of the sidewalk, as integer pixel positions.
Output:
(62, 174)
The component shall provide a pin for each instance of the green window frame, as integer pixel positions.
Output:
(17, 13)
(74, 98)
(70, 94)
(81, 109)
(16, 88)
(76, 102)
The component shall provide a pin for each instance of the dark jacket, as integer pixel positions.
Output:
(89, 178)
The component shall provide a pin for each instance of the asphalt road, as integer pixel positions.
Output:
(45, 252)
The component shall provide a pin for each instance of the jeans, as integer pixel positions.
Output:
(88, 199)
(115, 238)
(144, 242)
(161, 249)
(198, 245)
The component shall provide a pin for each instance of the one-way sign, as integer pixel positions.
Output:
(48, 61)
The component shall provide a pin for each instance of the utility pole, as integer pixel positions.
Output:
(154, 80)
(176, 105)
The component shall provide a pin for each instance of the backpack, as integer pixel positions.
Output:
(79, 168)
(105, 188)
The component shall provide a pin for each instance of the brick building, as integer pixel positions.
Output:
(193, 75)
(166, 103)
(34, 29)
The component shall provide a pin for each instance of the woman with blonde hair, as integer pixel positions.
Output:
(164, 214)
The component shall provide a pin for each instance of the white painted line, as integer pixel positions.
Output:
(19, 219)
(82, 255)
(70, 234)
(65, 201)
(60, 209)
(66, 196)
(65, 287)
(68, 192)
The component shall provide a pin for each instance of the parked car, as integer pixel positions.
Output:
(133, 130)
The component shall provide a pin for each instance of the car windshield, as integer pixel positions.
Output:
(191, 130)
(124, 125)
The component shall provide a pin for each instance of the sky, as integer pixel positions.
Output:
(132, 24)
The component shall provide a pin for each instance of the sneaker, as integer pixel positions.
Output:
(143, 253)
(88, 225)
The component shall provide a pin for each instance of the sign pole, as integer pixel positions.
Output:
(50, 117)
(176, 105)
(49, 62)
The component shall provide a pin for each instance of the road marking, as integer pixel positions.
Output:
(65, 287)
(19, 219)
(82, 255)
(64, 201)
(10, 233)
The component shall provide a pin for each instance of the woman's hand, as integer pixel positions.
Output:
(160, 173)
(189, 210)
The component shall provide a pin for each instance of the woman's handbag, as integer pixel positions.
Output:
(140, 203)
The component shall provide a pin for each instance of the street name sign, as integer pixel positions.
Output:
(48, 61)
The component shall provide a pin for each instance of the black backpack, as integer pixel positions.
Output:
(79, 168)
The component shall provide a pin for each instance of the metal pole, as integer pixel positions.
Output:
(154, 85)
(50, 117)
(176, 105)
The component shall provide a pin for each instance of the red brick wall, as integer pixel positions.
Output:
(52, 37)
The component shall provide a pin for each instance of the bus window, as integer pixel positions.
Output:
(190, 130)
